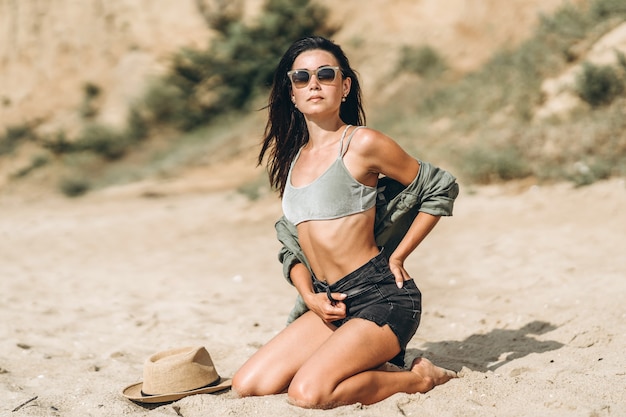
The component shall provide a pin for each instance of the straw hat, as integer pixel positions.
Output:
(176, 373)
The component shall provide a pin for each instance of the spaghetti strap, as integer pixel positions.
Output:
(342, 152)
(343, 135)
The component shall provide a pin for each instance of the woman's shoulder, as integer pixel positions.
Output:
(366, 140)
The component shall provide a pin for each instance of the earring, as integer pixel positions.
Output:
(343, 99)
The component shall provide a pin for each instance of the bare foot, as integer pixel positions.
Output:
(430, 374)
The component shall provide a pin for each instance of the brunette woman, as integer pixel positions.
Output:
(360, 306)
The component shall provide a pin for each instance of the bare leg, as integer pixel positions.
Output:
(271, 368)
(346, 369)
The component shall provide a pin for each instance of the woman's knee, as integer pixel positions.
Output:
(306, 398)
(243, 384)
(309, 393)
(248, 382)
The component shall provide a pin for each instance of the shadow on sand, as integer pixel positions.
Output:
(487, 352)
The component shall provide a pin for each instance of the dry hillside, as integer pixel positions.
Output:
(50, 50)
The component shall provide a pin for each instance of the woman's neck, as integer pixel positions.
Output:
(321, 136)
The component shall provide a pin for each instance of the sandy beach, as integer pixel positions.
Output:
(523, 295)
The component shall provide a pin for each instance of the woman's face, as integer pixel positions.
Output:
(318, 93)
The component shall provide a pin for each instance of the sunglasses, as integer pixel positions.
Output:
(301, 77)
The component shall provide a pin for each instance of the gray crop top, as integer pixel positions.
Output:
(332, 195)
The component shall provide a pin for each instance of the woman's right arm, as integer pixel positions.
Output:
(317, 302)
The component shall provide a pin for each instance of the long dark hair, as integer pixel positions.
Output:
(286, 131)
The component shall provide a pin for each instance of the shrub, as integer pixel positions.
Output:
(484, 165)
(423, 60)
(58, 144)
(598, 85)
(74, 187)
(13, 136)
(137, 128)
(567, 24)
(102, 140)
(164, 102)
(604, 9)
(236, 66)
(88, 108)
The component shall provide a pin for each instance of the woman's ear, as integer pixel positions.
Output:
(347, 83)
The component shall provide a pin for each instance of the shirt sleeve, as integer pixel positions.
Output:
(290, 253)
(436, 190)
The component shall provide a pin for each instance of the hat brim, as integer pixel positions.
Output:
(133, 392)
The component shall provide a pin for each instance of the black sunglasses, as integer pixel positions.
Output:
(301, 77)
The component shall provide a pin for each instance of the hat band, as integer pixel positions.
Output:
(216, 382)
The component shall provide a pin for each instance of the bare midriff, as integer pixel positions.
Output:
(334, 248)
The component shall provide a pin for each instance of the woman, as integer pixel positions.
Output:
(362, 307)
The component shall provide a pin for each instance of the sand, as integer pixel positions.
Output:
(523, 295)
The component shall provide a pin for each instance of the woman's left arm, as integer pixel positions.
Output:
(386, 157)
(420, 228)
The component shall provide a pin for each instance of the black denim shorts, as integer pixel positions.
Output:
(372, 294)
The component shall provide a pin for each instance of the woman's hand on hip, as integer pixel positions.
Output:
(397, 268)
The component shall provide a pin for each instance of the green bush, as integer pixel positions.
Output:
(58, 144)
(164, 103)
(604, 9)
(598, 85)
(564, 25)
(423, 60)
(74, 187)
(102, 140)
(88, 108)
(584, 173)
(482, 164)
(235, 67)
(137, 128)
(13, 136)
